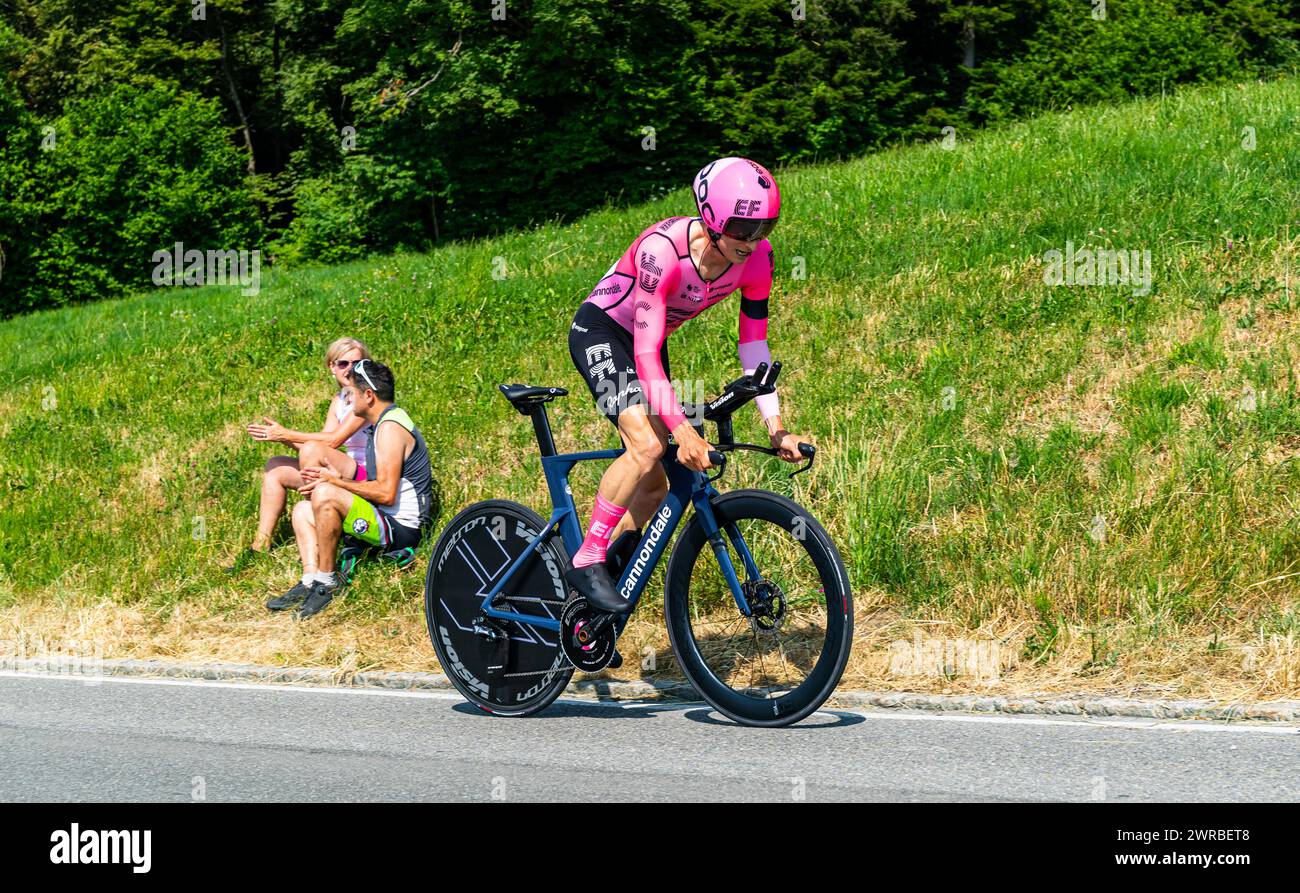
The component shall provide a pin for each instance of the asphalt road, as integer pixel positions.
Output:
(125, 739)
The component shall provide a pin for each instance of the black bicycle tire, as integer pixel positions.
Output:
(557, 686)
(736, 505)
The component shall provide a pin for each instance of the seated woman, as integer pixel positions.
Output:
(341, 445)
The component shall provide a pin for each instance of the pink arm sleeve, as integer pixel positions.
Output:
(650, 316)
(752, 342)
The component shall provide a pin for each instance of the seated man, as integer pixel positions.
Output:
(388, 509)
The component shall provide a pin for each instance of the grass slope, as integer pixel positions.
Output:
(1102, 483)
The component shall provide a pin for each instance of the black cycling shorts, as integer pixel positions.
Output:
(602, 351)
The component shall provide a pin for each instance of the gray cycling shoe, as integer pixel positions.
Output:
(290, 598)
(593, 584)
(317, 600)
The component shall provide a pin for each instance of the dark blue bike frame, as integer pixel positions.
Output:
(684, 486)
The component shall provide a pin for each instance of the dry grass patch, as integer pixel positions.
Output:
(890, 653)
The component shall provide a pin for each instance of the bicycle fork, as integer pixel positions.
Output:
(723, 554)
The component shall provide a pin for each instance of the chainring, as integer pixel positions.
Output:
(591, 656)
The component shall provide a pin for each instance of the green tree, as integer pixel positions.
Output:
(130, 172)
(1138, 48)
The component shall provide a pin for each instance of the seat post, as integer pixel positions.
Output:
(542, 428)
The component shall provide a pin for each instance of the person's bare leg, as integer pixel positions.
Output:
(646, 499)
(644, 448)
(280, 477)
(652, 485)
(331, 505)
(645, 440)
(315, 454)
(304, 531)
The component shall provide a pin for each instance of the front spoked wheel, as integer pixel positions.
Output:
(778, 664)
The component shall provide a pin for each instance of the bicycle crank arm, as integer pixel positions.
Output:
(597, 626)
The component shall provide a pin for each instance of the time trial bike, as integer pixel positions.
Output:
(762, 628)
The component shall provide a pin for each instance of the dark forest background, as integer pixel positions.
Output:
(327, 130)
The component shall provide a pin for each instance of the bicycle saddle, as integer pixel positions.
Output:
(521, 395)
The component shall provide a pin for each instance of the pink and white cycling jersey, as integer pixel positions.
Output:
(655, 287)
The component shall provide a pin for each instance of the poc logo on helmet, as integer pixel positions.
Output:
(702, 193)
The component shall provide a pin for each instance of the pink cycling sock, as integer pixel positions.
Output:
(604, 518)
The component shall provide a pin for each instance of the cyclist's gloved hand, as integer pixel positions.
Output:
(692, 449)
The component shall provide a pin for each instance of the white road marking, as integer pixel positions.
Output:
(825, 714)
(90, 680)
(242, 686)
(1105, 722)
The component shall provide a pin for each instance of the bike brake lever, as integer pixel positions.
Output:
(720, 461)
(809, 452)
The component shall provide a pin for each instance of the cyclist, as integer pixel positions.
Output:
(672, 272)
(388, 509)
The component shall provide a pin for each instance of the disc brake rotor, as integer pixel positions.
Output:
(766, 605)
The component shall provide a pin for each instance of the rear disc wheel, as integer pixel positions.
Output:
(472, 554)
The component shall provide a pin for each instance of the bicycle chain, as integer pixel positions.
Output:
(528, 598)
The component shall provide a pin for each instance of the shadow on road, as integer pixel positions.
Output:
(571, 709)
(695, 712)
(822, 719)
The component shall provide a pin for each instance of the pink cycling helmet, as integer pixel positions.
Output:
(738, 198)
